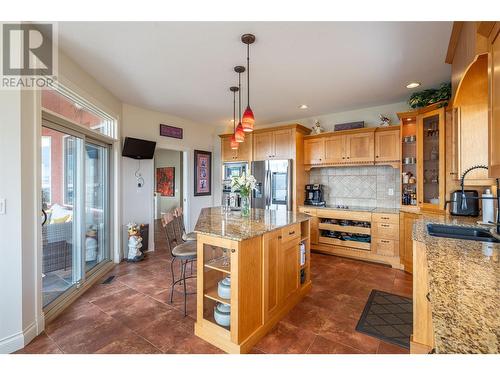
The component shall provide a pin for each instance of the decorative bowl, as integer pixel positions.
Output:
(222, 314)
(224, 288)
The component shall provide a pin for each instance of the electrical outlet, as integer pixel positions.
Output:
(390, 192)
(3, 208)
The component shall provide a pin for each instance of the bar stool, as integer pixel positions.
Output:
(184, 251)
(191, 236)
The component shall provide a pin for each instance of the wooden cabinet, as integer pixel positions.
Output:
(243, 153)
(335, 152)
(281, 268)
(387, 146)
(385, 234)
(407, 220)
(314, 151)
(494, 101)
(359, 148)
(263, 147)
(314, 230)
(422, 339)
(289, 264)
(277, 144)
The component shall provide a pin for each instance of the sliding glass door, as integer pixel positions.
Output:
(75, 204)
(96, 205)
(61, 229)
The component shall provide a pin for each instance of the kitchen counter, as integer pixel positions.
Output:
(380, 210)
(213, 221)
(463, 288)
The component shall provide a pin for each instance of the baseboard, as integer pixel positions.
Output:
(19, 340)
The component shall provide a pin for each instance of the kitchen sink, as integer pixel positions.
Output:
(462, 233)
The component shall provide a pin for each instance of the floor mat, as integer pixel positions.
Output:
(388, 317)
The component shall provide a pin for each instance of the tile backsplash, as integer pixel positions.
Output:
(359, 186)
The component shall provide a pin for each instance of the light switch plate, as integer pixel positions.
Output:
(3, 203)
(390, 192)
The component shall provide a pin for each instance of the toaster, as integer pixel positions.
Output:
(472, 203)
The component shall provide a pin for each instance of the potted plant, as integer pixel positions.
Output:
(245, 185)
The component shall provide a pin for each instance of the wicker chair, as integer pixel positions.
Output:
(185, 251)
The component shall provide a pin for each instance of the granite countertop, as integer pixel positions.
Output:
(463, 287)
(380, 210)
(214, 221)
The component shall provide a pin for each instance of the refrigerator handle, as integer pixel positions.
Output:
(289, 187)
(268, 188)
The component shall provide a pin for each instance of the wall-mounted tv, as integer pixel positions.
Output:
(138, 148)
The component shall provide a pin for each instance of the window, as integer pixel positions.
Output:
(67, 105)
(69, 168)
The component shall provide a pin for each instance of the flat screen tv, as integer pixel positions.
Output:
(138, 148)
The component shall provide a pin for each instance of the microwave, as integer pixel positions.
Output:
(234, 169)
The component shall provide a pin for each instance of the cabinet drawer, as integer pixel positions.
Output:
(385, 218)
(385, 247)
(387, 230)
(308, 211)
(290, 233)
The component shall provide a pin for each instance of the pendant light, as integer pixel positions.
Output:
(234, 145)
(239, 134)
(248, 119)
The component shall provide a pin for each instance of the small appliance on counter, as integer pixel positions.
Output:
(314, 195)
(232, 198)
(472, 208)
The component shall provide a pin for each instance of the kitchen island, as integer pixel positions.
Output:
(261, 256)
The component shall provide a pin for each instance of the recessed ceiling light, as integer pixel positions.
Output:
(303, 106)
(412, 85)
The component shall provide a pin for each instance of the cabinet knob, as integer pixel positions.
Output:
(233, 250)
(279, 237)
(428, 297)
(348, 157)
(292, 232)
(376, 156)
(343, 157)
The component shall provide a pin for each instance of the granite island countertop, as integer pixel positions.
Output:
(213, 221)
(463, 288)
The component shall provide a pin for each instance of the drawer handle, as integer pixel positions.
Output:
(385, 241)
(279, 237)
(385, 225)
(292, 232)
(384, 218)
(428, 297)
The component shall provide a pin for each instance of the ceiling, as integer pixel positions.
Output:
(186, 68)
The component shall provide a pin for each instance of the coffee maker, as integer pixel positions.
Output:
(314, 195)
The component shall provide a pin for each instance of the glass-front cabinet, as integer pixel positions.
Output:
(430, 160)
(422, 159)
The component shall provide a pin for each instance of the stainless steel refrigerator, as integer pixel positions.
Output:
(274, 184)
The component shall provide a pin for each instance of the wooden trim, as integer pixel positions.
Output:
(484, 28)
(454, 38)
(342, 132)
(423, 110)
(297, 127)
(388, 128)
(356, 254)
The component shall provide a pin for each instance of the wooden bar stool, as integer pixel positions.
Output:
(185, 251)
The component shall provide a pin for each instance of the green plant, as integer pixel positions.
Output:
(430, 96)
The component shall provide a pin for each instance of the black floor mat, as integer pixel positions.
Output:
(388, 317)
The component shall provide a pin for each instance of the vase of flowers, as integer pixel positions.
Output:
(245, 185)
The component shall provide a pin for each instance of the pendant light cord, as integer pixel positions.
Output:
(248, 75)
(239, 96)
(234, 112)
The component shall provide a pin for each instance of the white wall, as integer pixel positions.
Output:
(169, 158)
(145, 124)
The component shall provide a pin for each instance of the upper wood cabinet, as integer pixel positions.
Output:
(354, 147)
(359, 147)
(334, 152)
(494, 101)
(314, 150)
(387, 145)
(243, 153)
(274, 144)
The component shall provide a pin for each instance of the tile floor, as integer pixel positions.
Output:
(133, 315)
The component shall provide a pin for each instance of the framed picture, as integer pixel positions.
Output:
(171, 131)
(202, 173)
(165, 181)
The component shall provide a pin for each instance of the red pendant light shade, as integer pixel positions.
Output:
(248, 120)
(239, 134)
(234, 145)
